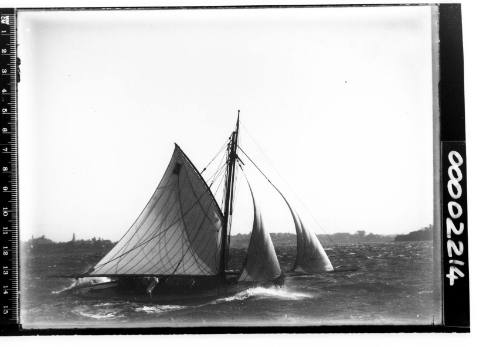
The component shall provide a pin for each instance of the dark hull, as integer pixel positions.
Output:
(178, 290)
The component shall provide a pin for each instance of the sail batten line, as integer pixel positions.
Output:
(139, 227)
(171, 236)
(188, 248)
(205, 217)
(156, 229)
(136, 230)
(148, 240)
(141, 238)
(145, 255)
(196, 234)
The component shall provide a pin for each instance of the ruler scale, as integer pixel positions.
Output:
(9, 258)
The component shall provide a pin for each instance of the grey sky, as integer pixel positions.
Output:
(339, 99)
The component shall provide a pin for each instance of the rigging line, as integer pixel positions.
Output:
(221, 166)
(218, 152)
(139, 216)
(217, 181)
(206, 217)
(288, 184)
(189, 249)
(197, 257)
(258, 168)
(217, 173)
(138, 227)
(163, 247)
(219, 241)
(144, 219)
(149, 261)
(146, 262)
(272, 184)
(156, 228)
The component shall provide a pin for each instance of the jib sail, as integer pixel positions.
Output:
(261, 264)
(311, 257)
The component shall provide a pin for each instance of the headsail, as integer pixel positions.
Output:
(177, 233)
(262, 263)
(311, 257)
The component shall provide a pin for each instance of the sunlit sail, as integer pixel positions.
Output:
(261, 263)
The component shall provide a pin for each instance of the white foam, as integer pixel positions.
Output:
(71, 286)
(266, 293)
(98, 314)
(104, 304)
(159, 308)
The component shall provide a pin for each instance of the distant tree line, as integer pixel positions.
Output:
(93, 242)
(424, 234)
(327, 240)
(242, 240)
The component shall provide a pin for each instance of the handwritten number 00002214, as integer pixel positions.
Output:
(454, 248)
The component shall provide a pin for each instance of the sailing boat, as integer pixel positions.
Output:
(179, 245)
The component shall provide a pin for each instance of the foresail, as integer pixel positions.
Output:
(311, 257)
(261, 263)
(177, 233)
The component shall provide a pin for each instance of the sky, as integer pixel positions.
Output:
(336, 108)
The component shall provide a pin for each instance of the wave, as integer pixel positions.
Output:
(105, 304)
(265, 293)
(159, 308)
(100, 314)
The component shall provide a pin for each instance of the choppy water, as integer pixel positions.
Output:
(393, 285)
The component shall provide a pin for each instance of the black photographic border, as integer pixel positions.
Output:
(450, 122)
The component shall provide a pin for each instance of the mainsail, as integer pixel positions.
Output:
(177, 233)
(261, 263)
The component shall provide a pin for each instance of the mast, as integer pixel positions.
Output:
(228, 200)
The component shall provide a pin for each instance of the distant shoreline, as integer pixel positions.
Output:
(279, 239)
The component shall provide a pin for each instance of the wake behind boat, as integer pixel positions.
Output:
(178, 247)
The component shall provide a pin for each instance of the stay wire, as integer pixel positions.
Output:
(282, 178)
(211, 161)
(274, 186)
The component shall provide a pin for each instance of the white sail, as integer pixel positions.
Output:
(177, 233)
(261, 263)
(311, 257)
